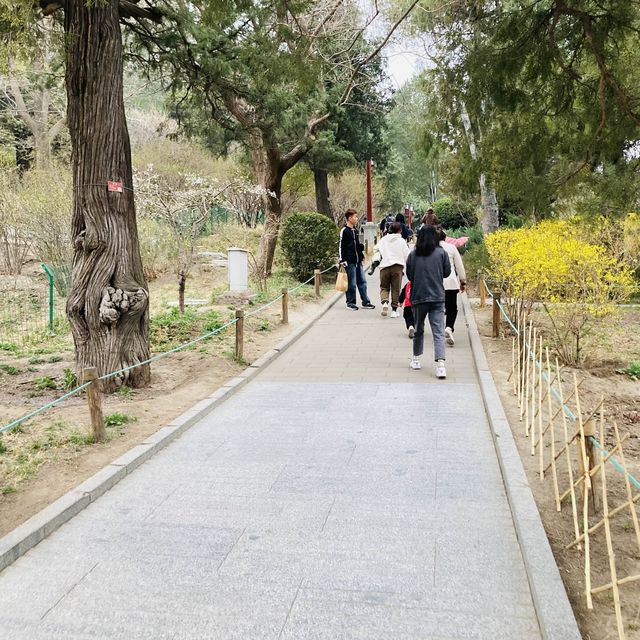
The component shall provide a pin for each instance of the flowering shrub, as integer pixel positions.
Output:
(575, 281)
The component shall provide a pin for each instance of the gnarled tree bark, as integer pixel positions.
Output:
(108, 302)
(323, 199)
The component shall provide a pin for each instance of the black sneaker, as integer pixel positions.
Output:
(368, 305)
(352, 307)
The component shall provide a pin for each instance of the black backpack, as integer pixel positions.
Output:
(388, 221)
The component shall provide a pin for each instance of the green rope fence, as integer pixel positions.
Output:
(617, 466)
(113, 374)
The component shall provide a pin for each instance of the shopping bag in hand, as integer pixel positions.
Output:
(342, 281)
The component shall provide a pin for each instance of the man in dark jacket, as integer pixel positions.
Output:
(351, 256)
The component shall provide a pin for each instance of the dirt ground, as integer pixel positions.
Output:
(52, 453)
(618, 347)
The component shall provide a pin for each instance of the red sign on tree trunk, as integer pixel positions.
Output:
(114, 186)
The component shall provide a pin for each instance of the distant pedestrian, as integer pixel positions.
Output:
(385, 223)
(407, 231)
(456, 282)
(430, 218)
(427, 267)
(351, 256)
(407, 312)
(392, 253)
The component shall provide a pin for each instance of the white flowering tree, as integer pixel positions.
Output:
(183, 203)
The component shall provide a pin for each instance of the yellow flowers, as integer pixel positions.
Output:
(549, 262)
(575, 281)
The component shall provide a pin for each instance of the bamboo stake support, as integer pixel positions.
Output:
(483, 290)
(585, 499)
(630, 497)
(518, 380)
(607, 531)
(524, 406)
(496, 316)
(285, 306)
(554, 472)
(94, 399)
(239, 334)
(540, 398)
(574, 507)
(533, 380)
(316, 281)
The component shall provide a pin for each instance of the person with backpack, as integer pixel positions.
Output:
(385, 223)
(427, 267)
(407, 231)
(391, 253)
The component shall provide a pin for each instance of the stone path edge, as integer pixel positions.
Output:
(27, 535)
(553, 609)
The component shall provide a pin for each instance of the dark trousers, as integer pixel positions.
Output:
(407, 314)
(356, 278)
(450, 307)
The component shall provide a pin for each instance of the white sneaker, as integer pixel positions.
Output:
(415, 364)
(441, 372)
(385, 309)
(395, 314)
(448, 336)
(412, 332)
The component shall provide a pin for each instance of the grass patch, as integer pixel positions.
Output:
(55, 358)
(36, 360)
(45, 382)
(10, 347)
(171, 328)
(117, 419)
(10, 370)
(69, 380)
(5, 491)
(124, 391)
(633, 370)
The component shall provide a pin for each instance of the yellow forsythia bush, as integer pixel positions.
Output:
(575, 281)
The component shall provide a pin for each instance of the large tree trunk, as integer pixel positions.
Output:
(269, 238)
(109, 300)
(323, 202)
(488, 201)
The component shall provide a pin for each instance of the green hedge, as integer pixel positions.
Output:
(309, 241)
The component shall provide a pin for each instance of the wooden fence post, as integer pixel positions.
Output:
(94, 399)
(316, 279)
(496, 315)
(483, 290)
(239, 334)
(285, 306)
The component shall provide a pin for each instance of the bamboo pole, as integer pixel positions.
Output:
(524, 405)
(622, 581)
(574, 507)
(585, 499)
(554, 472)
(534, 389)
(518, 381)
(607, 532)
(630, 497)
(540, 398)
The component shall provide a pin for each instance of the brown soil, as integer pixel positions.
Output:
(622, 403)
(49, 455)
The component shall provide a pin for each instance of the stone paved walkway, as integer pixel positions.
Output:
(337, 496)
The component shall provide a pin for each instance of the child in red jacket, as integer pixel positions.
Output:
(407, 313)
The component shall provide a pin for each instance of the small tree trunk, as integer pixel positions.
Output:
(490, 212)
(182, 279)
(323, 202)
(108, 301)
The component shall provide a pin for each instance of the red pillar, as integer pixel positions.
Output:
(369, 201)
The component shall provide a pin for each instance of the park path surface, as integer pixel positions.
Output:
(339, 495)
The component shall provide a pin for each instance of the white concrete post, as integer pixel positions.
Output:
(238, 267)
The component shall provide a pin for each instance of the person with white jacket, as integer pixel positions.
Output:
(456, 281)
(392, 253)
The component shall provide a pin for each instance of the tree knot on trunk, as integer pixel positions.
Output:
(87, 241)
(116, 302)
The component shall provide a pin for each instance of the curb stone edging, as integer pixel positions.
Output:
(553, 609)
(45, 522)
